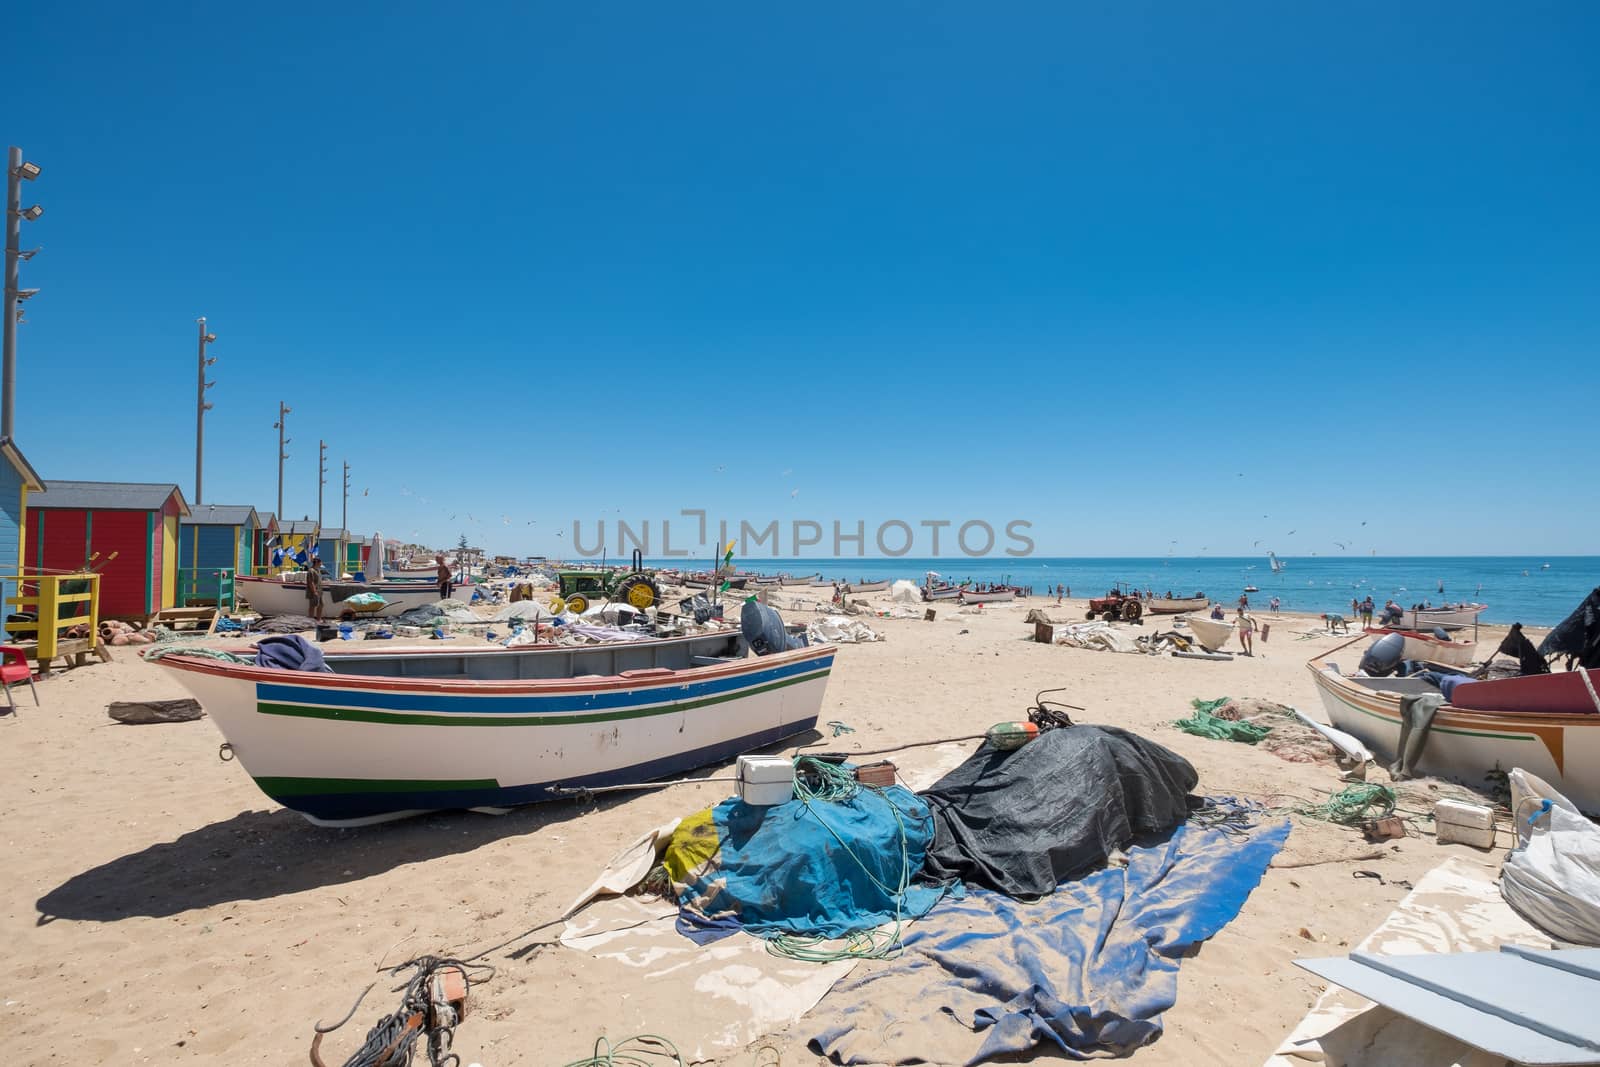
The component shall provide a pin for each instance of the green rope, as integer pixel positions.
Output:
(837, 784)
(1205, 724)
(840, 728)
(641, 1050)
(1208, 706)
(155, 652)
(1352, 805)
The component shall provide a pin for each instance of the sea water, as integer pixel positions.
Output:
(1538, 591)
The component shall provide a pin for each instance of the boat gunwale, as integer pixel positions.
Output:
(1327, 676)
(495, 686)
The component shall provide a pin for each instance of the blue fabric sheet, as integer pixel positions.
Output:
(1088, 969)
(786, 868)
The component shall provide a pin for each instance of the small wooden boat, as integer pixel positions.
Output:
(986, 596)
(1174, 605)
(800, 579)
(940, 592)
(403, 731)
(1547, 724)
(1211, 633)
(287, 596)
(866, 587)
(1251, 589)
(1420, 646)
(1425, 619)
(706, 581)
(819, 580)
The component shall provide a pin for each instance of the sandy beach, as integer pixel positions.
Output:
(158, 909)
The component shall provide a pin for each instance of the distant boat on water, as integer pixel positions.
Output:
(1277, 564)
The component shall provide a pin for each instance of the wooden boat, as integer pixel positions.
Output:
(940, 592)
(986, 596)
(287, 596)
(1174, 605)
(1425, 619)
(821, 581)
(1547, 724)
(395, 733)
(706, 581)
(800, 579)
(1211, 633)
(1420, 646)
(866, 587)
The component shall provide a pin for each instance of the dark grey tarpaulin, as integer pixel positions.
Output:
(1022, 821)
(1578, 635)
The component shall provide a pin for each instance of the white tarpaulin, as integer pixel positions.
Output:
(838, 630)
(1101, 636)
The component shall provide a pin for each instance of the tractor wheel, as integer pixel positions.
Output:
(577, 603)
(1089, 614)
(638, 592)
(556, 605)
(1131, 610)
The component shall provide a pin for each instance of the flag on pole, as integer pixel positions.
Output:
(727, 569)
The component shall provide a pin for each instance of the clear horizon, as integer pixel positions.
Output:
(1153, 279)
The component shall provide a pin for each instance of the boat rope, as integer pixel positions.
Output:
(427, 1006)
(1351, 806)
(840, 728)
(641, 1050)
(1583, 673)
(834, 783)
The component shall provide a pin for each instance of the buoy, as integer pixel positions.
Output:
(1010, 735)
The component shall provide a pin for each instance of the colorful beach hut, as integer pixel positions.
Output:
(330, 547)
(128, 531)
(215, 543)
(297, 535)
(355, 553)
(17, 480)
(266, 540)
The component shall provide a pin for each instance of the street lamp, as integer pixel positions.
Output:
(280, 425)
(201, 407)
(17, 171)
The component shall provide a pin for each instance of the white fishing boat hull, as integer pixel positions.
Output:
(1420, 646)
(268, 596)
(795, 579)
(1465, 745)
(1176, 605)
(866, 587)
(1212, 634)
(949, 592)
(998, 596)
(344, 749)
(1426, 619)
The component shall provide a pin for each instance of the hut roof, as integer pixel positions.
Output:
(30, 477)
(221, 515)
(298, 526)
(110, 496)
(335, 535)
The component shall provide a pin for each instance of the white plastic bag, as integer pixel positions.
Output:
(1552, 877)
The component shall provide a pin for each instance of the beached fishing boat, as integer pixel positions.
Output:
(1545, 723)
(866, 587)
(1420, 646)
(1427, 618)
(1211, 633)
(821, 581)
(395, 733)
(706, 581)
(1173, 605)
(986, 596)
(940, 592)
(800, 579)
(287, 596)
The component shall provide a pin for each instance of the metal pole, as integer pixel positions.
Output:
(8, 370)
(283, 410)
(344, 510)
(322, 476)
(200, 407)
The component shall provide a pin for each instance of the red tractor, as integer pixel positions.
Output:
(1121, 602)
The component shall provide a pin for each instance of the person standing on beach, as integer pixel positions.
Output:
(1366, 611)
(1058, 592)
(446, 586)
(1244, 602)
(314, 589)
(1247, 628)
(1274, 604)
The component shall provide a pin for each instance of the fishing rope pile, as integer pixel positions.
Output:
(1351, 806)
(155, 652)
(641, 1050)
(818, 781)
(1206, 723)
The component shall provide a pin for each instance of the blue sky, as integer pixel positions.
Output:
(1133, 273)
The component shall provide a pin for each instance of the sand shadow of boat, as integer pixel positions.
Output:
(258, 855)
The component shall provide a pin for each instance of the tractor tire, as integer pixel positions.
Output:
(639, 592)
(1131, 610)
(578, 603)
(1089, 615)
(556, 605)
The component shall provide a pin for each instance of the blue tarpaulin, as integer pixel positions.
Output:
(1089, 968)
(821, 869)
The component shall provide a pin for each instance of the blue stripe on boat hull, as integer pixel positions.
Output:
(346, 807)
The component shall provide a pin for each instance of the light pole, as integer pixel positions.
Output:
(322, 477)
(344, 510)
(283, 410)
(201, 407)
(17, 172)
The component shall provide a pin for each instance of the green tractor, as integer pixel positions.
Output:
(580, 589)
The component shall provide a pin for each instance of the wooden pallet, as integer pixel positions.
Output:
(187, 620)
(73, 651)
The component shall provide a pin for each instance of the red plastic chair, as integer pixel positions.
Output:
(14, 668)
